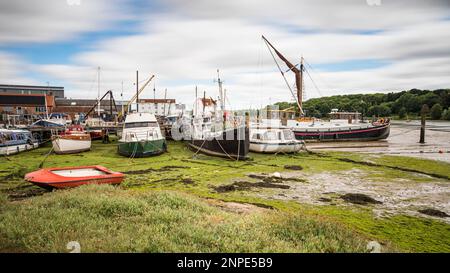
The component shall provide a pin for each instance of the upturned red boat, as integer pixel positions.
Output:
(69, 177)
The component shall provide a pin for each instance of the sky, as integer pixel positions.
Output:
(351, 46)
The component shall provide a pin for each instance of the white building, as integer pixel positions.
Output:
(161, 107)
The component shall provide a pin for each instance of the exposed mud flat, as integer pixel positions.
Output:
(23, 192)
(403, 140)
(355, 188)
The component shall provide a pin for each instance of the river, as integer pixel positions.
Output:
(403, 140)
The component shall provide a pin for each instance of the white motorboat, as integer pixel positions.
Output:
(273, 139)
(16, 141)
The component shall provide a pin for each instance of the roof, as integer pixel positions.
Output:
(140, 117)
(22, 99)
(30, 87)
(80, 102)
(156, 100)
(13, 131)
(346, 113)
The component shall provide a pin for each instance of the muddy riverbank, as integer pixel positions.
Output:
(403, 140)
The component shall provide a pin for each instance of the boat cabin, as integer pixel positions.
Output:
(14, 141)
(141, 126)
(271, 134)
(349, 116)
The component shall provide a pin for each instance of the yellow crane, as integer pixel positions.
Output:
(135, 96)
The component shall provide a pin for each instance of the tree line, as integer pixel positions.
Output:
(405, 104)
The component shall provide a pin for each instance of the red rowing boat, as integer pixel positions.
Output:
(69, 177)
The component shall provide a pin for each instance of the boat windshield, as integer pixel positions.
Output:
(140, 124)
(270, 135)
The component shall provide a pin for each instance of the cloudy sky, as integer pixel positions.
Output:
(353, 46)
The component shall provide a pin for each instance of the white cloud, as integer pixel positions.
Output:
(183, 46)
(11, 69)
(30, 21)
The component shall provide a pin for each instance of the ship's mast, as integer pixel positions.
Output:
(196, 102)
(298, 74)
(219, 81)
(300, 86)
(98, 93)
(137, 91)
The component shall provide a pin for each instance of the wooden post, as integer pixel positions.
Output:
(247, 119)
(423, 113)
(224, 121)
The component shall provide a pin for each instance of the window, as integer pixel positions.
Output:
(140, 124)
(256, 136)
(40, 109)
(270, 135)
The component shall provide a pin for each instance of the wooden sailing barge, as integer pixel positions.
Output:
(326, 131)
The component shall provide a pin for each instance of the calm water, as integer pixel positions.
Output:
(403, 140)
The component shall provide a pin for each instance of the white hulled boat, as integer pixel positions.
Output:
(141, 136)
(267, 138)
(73, 140)
(16, 141)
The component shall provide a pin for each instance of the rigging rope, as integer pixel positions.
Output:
(282, 73)
(314, 83)
(319, 75)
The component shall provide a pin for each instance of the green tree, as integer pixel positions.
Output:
(402, 112)
(429, 98)
(436, 111)
(379, 110)
(446, 114)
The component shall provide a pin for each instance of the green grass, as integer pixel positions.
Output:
(426, 166)
(137, 216)
(108, 219)
(406, 233)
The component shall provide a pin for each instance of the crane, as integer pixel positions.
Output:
(135, 96)
(111, 103)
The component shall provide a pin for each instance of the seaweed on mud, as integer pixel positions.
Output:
(18, 173)
(293, 167)
(22, 192)
(434, 212)
(273, 179)
(245, 185)
(360, 199)
(162, 169)
(188, 181)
